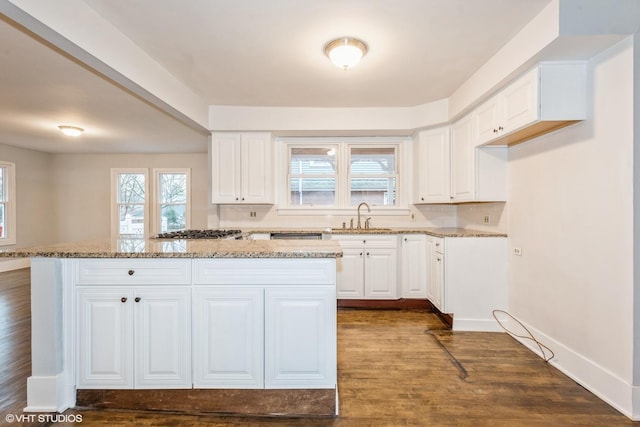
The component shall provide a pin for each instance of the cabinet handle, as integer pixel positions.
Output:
(137, 299)
(131, 272)
(123, 299)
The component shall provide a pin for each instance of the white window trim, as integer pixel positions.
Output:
(115, 224)
(156, 198)
(403, 147)
(10, 211)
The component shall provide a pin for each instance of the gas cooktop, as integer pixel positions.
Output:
(201, 234)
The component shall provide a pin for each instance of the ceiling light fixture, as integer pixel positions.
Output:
(71, 130)
(345, 52)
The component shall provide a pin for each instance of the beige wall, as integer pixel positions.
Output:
(571, 212)
(82, 188)
(35, 203)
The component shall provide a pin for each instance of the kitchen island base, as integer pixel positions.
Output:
(290, 402)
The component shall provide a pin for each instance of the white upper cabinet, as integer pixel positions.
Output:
(242, 168)
(432, 166)
(550, 96)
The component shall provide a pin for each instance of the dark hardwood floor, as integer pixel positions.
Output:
(394, 368)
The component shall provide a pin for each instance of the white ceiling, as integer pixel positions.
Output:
(249, 53)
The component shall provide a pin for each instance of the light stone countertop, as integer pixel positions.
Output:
(182, 248)
(438, 232)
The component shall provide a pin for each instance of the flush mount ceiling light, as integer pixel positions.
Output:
(345, 52)
(71, 130)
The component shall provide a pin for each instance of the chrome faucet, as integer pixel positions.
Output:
(359, 206)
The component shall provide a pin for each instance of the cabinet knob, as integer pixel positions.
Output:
(123, 299)
(131, 272)
(364, 241)
(243, 199)
(405, 239)
(439, 259)
(495, 131)
(422, 199)
(500, 128)
(137, 299)
(437, 244)
(368, 254)
(237, 199)
(360, 253)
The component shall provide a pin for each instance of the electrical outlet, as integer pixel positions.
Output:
(252, 214)
(413, 217)
(517, 251)
(487, 219)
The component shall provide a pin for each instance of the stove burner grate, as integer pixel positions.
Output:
(200, 234)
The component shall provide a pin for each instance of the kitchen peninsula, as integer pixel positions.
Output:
(242, 326)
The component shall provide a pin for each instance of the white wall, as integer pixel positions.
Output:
(35, 206)
(571, 211)
(82, 187)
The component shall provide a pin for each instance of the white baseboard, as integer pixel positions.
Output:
(612, 389)
(476, 325)
(49, 394)
(10, 264)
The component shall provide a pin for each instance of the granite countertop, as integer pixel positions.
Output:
(438, 232)
(181, 248)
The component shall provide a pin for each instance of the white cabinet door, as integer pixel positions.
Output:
(241, 168)
(432, 164)
(414, 266)
(436, 280)
(228, 337)
(381, 273)
(257, 172)
(462, 161)
(162, 337)
(225, 168)
(105, 338)
(300, 330)
(487, 116)
(351, 273)
(520, 103)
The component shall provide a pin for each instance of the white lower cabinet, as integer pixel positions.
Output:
(300, 330)
(414, 273)
(134, 338)
(369, 266)
(435, 256)
(228, 337)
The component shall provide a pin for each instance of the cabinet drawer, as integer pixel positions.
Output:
(438, 243)
(127, 271)
(265, 271)
(367, 240)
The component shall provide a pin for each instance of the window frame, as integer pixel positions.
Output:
(284, 145)
(335, 175)
(157, 197)
(115, 205)
(9, 193)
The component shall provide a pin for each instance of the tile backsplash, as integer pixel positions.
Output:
(419, 216)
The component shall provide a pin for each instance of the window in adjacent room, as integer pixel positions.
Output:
(373, 175)
(172, 199)
(312, 176)
(129, 215)
(7, 204)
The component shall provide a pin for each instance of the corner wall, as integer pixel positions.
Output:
(571, 212)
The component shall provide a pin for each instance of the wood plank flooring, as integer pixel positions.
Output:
(395, 368)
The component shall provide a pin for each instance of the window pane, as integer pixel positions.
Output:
(131, 219)
(173, 188)
(313, 191)
(375, 191)
(313, 161)
(2, 192)
(131, 188)
(3, 228)
(173, 217)
(373, 161)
